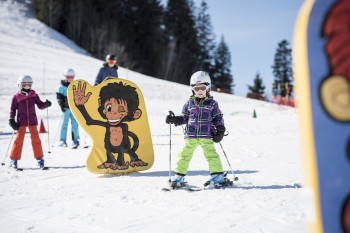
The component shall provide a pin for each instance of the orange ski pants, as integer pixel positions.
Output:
(16, 151)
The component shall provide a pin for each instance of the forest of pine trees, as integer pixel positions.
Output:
(170, 42)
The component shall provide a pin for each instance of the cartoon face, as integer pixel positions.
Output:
(115, 110)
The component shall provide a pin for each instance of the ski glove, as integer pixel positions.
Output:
(13, 124)
(47, 103)
(64, 106)
(219, 133)
(171, 119)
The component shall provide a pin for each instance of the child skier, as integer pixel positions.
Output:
(204, 126)
(61, 95)
(109, 69)
(24, 104)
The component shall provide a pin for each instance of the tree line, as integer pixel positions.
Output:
(170, 42)
(283, 84)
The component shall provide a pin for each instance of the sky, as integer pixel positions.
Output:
(252, 30)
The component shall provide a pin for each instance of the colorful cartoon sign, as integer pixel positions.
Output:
(322, 73)
(113, 113)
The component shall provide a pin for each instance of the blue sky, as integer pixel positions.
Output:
(252, 29)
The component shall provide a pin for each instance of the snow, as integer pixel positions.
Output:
(264, 153)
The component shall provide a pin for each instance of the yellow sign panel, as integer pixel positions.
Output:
(113, 113)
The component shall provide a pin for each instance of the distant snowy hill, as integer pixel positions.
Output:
(264, 153)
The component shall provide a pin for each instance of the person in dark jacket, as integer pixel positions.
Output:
(109, 69)
(61, 95)
(23, 103)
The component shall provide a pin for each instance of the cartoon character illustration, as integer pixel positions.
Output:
(335, 89)
(322, 61)
(118, 103)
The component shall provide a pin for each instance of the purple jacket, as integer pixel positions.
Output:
(200, 118)
(25, 105)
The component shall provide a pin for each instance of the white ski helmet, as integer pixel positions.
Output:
(201, 77)
(69, 72)
(24, 79)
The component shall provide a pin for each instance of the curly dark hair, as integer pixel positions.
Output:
(119, 91)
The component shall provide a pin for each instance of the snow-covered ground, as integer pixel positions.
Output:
(264, 153)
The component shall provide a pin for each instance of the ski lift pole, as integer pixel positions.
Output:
(235, 178)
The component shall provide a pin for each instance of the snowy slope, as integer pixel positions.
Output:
(264, 153)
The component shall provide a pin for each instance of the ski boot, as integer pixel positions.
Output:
(13, 163)
(218, 181)
(75, 144)
(63, 144)
(177, 182)
(41, 162)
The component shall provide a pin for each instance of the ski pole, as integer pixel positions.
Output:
(85, 146)
(171, 114)
(3, 163)
(58, 129)
(48, 129)
(234, 177)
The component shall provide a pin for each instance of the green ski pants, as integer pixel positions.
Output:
(185, 155)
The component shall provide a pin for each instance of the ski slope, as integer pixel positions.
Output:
(264, 153)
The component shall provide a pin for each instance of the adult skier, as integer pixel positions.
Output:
(109, 69)
(23, 103)
(204, 126)
(61, 95)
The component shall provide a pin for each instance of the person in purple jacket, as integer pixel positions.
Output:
(204, 126)
(23, 103)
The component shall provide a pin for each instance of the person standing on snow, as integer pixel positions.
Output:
(109, 69)
(204, 126)
(61, 95)
(24, 104)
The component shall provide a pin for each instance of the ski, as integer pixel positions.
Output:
(21, 169)
(188, 188)
(193, 189)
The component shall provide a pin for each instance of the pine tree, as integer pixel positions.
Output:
(257, 88)
(206, 38)
(139, 26)
(183, 47)
(282, 69)
(221, 76)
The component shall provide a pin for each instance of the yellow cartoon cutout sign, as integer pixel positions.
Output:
(113, 113)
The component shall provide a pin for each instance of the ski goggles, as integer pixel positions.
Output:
(27, 85)
(199, 88)
(69, 77)
(112, 62)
